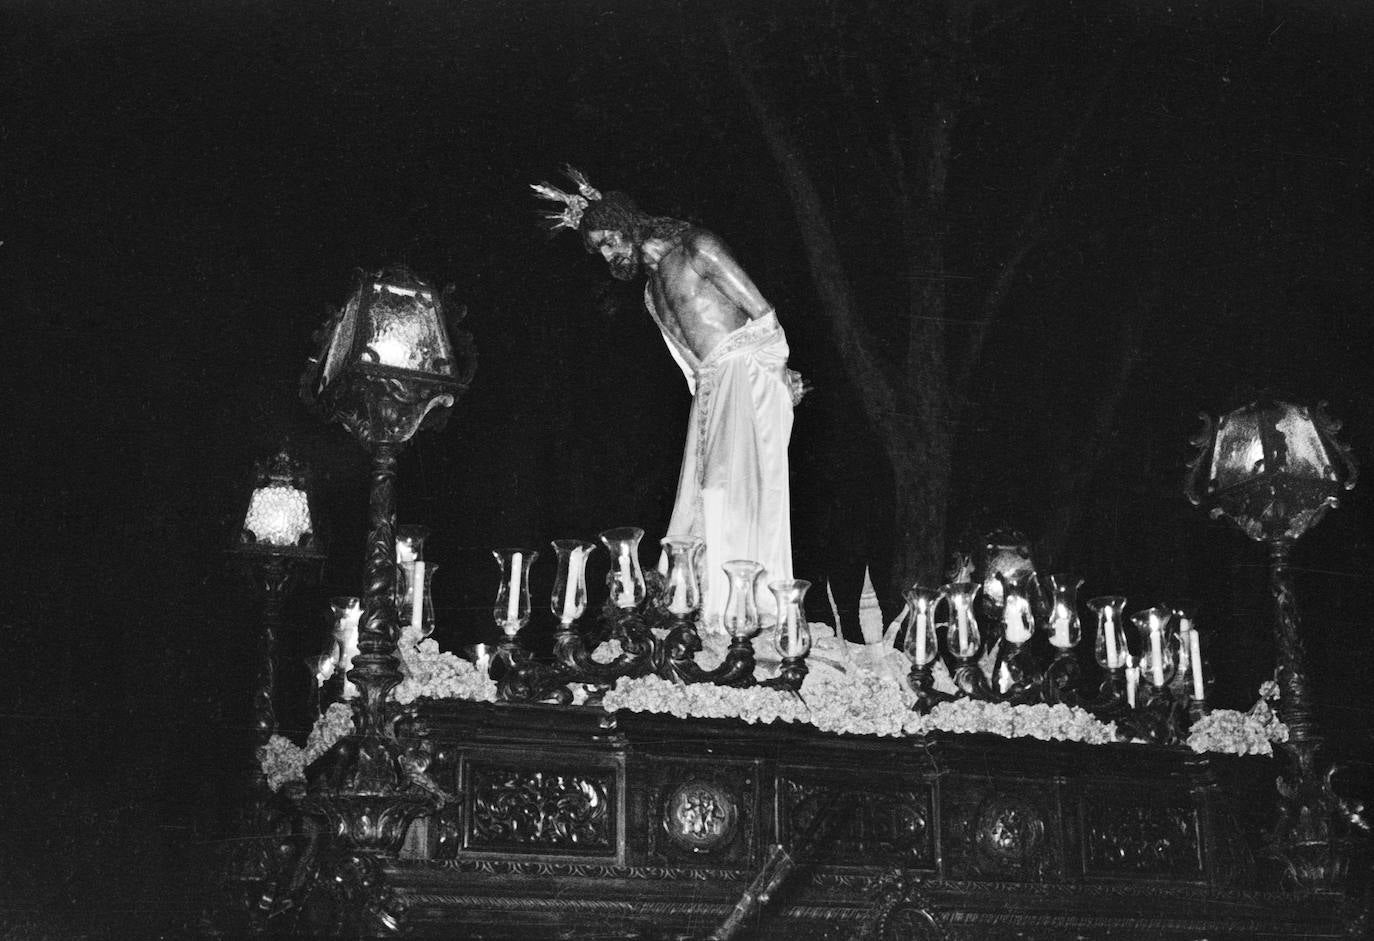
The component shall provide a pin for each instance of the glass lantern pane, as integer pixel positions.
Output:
(1239, 452)
(404, 330)
(1307, 456)
(340, 342)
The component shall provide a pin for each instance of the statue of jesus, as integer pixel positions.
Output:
(732, 491)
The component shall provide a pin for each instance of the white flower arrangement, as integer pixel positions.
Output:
(1232, 732)
(861, 695)
(427, 672)
(437, 674)
(283, 761)
(862, 704)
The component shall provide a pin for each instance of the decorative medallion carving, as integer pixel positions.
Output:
(520, 808)
(1143, 840)
(700, 816)
(1009, 835)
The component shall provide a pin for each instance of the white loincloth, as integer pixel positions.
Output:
(732, 492)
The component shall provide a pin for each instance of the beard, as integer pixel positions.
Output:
(624, 267)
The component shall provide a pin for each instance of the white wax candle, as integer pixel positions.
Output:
(1061, 627)
(483, 661)
(1157, 655)
(513, 601)
(627, 581)
(789, 628)
(1015, 621)
(417, 595)
(678, 603)
(920, 639)
(963, 633)
(1109, 627)
(570, 589)
(1132, 679)
(1195, 648)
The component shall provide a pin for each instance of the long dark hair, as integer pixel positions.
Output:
(617, 212)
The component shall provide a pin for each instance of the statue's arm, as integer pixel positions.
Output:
(713, 261)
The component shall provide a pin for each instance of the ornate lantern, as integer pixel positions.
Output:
(1274, 469)
(386, 368)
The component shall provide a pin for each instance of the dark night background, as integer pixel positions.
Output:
(187, 188)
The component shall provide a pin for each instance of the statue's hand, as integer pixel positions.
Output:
(798, 386)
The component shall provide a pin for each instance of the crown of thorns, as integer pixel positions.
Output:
(574, 204)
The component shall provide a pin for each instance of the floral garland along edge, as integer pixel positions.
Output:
(863, 703)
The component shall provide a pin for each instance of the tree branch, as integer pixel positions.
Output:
(875, 380)
(1025, 238)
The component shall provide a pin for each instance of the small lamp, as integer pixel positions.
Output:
(277, 543)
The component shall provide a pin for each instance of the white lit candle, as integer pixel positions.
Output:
(570, 589)
(627, 580)
(417, 595)
(1061, 626)
(1003, 677)
(1015, 621)
(1157, 651)
(1195, 649)
(483, 659)
(789, 627)
(920, 638)
(677, 603)
(1109, 627)
(962, 619)
(1132, 680)
(513, 601)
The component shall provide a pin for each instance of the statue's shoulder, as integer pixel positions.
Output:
(703, 243)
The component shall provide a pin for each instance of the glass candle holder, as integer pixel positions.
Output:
(627, 585)
(1018, 622)
(741, 615)
(569, 599)
(512, 609)
(793, 637)
(921, 644)
(1190, 651)
(348, 611)
(1156, 660)
(410, 571)
(961, 633)
(682, 587)
(1063, 625)
(1110, 645)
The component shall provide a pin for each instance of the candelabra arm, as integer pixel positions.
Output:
(683, 643)
(970, 680)
(1061, 679)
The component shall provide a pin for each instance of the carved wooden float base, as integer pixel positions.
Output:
(568, 824)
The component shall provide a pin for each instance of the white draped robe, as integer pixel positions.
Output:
(732, 492)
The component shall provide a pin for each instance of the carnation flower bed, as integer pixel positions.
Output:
(858, 701)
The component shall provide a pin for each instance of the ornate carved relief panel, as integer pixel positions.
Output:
(876, 821)
(1140, 832)
(545, 810)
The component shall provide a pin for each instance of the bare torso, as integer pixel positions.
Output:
(690, 305)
